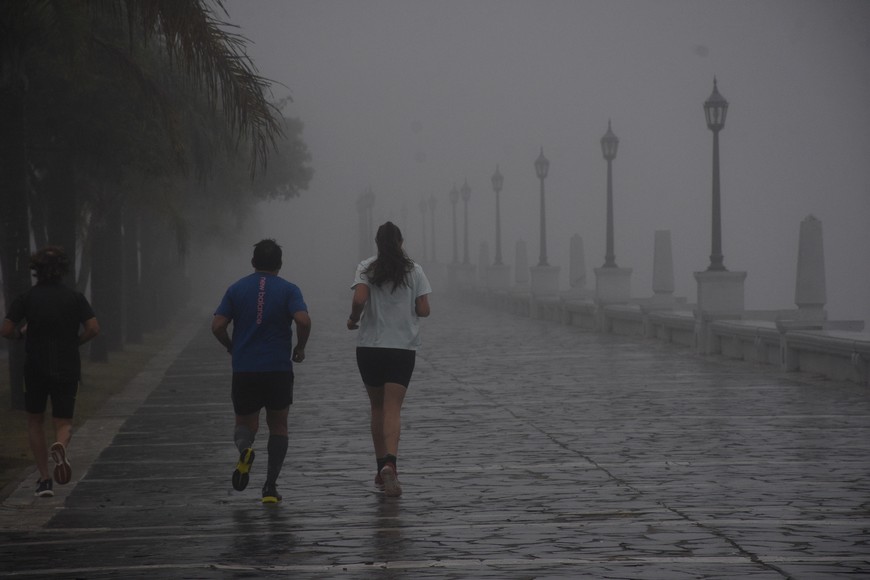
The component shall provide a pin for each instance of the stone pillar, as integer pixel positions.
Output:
(663, 269)
(521, 265)
(576, 267)
(482, 263)
(612, 285)
(720, 297)
(810, 291)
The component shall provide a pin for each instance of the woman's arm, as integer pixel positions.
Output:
(360, 297)
(421, 306)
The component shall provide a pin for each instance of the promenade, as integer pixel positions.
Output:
(529, 450)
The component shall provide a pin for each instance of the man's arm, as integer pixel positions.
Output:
(303, 331)
(8, 330)
(91, 329)
(219, 325)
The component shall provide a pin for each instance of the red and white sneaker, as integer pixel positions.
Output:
(62, 468)
(392, 487)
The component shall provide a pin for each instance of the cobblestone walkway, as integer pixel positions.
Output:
(529, 450)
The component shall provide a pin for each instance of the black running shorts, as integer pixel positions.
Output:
(253, 391)
(385, 365)
(38, 388)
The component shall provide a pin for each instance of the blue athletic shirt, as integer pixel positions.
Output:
(261, 307)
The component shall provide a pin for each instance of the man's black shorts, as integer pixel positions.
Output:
(38, 388)
(385, 365)
(253, 391)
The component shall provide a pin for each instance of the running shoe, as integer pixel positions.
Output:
(379, 482)
(62, 468)
(392, 487)
(43, 488)
(240, 475)
(270, 494)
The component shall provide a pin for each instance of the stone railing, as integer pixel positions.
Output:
(839, 350)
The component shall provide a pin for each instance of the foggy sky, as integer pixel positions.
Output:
(411, 96)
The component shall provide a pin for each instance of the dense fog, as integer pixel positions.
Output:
(410, 98)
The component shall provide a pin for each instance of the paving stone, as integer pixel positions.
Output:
(529, 450)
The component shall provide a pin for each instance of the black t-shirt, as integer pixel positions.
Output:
(54, 314)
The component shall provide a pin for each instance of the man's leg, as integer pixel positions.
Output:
(243, 435)
(63, 430)
(277, 450)
(36, 437)
(277, 445)
(62, 437)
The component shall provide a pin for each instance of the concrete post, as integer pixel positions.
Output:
(810, 289)
(663, 269)
(521, 265)
(576, 266)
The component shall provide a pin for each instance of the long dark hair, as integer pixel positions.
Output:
(392, 264)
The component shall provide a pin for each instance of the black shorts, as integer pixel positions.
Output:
(253, 391)
(385, 365)
(38, 388)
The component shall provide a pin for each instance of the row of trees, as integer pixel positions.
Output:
(129, 128)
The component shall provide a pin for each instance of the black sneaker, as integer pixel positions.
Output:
(270, 494)
(43, 488)
(240, 475)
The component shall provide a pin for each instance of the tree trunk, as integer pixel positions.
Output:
(133, 334)
(14, 232)
(107, 274)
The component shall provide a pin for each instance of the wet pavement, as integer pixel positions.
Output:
(529, 450)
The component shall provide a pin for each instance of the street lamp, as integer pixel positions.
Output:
(423, 206)
(466, 195)
(715, 109)
(609, 145)
(454, 199)
(364, 204)
(432, 203)
(497, 182)
(542, 166)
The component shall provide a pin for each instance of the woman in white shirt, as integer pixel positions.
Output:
(390, 295)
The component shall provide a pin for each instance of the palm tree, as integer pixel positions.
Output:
(34, 33)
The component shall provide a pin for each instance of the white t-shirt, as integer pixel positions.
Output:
(389, 319)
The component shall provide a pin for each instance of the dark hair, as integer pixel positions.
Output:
(267, 256)
(49, 264)
(392, 264)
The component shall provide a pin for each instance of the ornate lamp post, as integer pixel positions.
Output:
(432, 203)
(466, 195)
(497, 182)
(542, 166)
(364, 204)
(454, 199)
(715, 109)
(609, 145)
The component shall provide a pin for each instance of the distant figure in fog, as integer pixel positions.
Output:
(53, 316)
(262, 308)
(390, 294)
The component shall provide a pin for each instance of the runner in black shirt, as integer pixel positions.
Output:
(53, 316)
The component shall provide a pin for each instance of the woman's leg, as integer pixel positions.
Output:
(394, 396)
(376, 402)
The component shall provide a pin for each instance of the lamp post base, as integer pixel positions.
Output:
(612, 285)
(720, 296)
